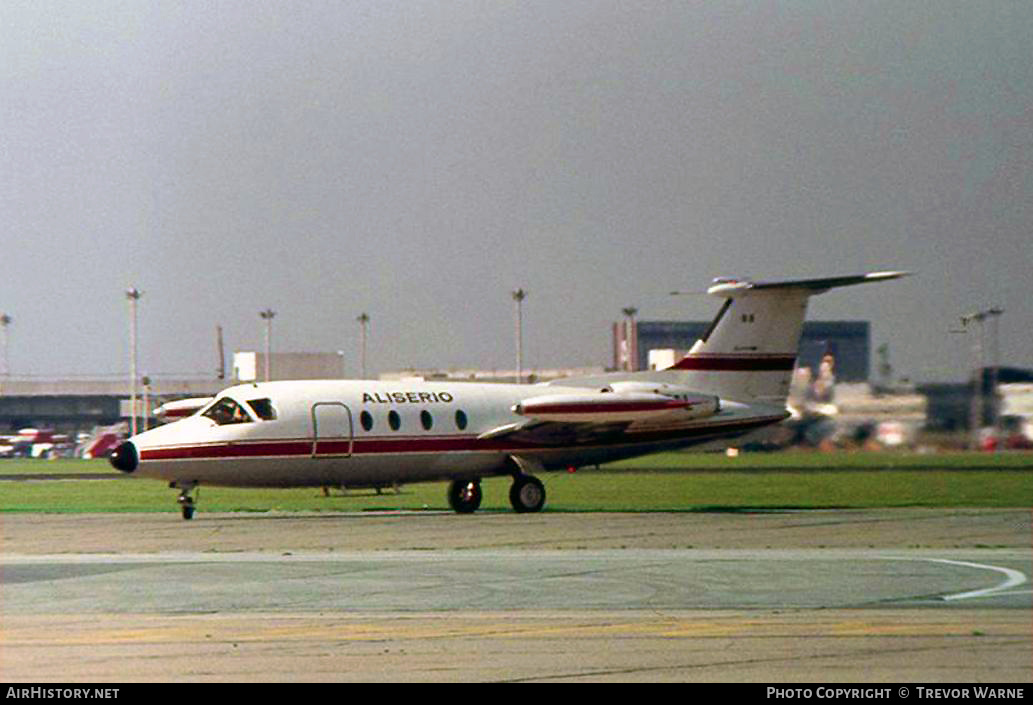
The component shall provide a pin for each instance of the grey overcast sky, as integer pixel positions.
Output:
(418, 160)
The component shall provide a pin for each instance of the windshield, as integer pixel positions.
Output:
(227, 411)
(263, 409)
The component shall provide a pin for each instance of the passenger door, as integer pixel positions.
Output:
(332, 433)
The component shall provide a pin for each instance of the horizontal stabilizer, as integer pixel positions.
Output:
(733, 287)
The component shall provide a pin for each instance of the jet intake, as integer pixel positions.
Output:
(125, 458)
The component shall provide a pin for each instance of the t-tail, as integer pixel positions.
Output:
(749, 351)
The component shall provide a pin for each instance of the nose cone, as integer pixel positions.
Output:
(125, 457)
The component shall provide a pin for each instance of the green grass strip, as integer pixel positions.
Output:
(587, 490)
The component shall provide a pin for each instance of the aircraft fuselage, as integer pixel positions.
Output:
(373, 434)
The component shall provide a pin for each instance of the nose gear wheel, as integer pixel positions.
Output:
(187, 504)
(464, 496)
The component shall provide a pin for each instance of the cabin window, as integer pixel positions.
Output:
(226, 411)
(394, 420)
(263, 409)
(426, 420)
(366, 419)
(461, 420)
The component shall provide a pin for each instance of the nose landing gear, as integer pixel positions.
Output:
(464, 496)
(187, 504)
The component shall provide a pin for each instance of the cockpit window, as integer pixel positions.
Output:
(226, 411)
(263, 409)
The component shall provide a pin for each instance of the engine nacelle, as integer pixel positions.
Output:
(610, 405)
(668, 390)
(598, 407)
(698, 405)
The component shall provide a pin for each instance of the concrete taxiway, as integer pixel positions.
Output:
(882, 595)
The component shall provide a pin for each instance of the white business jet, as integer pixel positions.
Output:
(358, 433)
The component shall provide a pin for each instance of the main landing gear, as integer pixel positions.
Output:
(187, 504)
(526, 494)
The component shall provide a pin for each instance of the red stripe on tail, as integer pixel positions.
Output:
(737, 363)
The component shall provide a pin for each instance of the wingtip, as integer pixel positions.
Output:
(897, 274)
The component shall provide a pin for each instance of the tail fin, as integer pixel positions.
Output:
(750, 349)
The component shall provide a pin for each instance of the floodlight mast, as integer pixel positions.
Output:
(133, 296)
(630, 339)
(518, 298)
(5, 321)
(363, 320)
(267, 315)
(977, 412)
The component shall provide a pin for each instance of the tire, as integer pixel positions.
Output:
(464, 496)
(527, 494)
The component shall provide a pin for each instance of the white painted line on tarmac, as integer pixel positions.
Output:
(1014, 579)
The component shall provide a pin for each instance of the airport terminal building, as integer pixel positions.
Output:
(72, 405)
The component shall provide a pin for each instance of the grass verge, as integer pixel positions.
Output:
(663, 482)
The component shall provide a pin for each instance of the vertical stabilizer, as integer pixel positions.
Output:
(749, 351)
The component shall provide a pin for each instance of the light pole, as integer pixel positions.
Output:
(518, 298)
(5, 321)
(220, 371)
(630, 339)
(267, 316)
(133, 295)
(363, 320)
(146, 400)
(979, 354)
